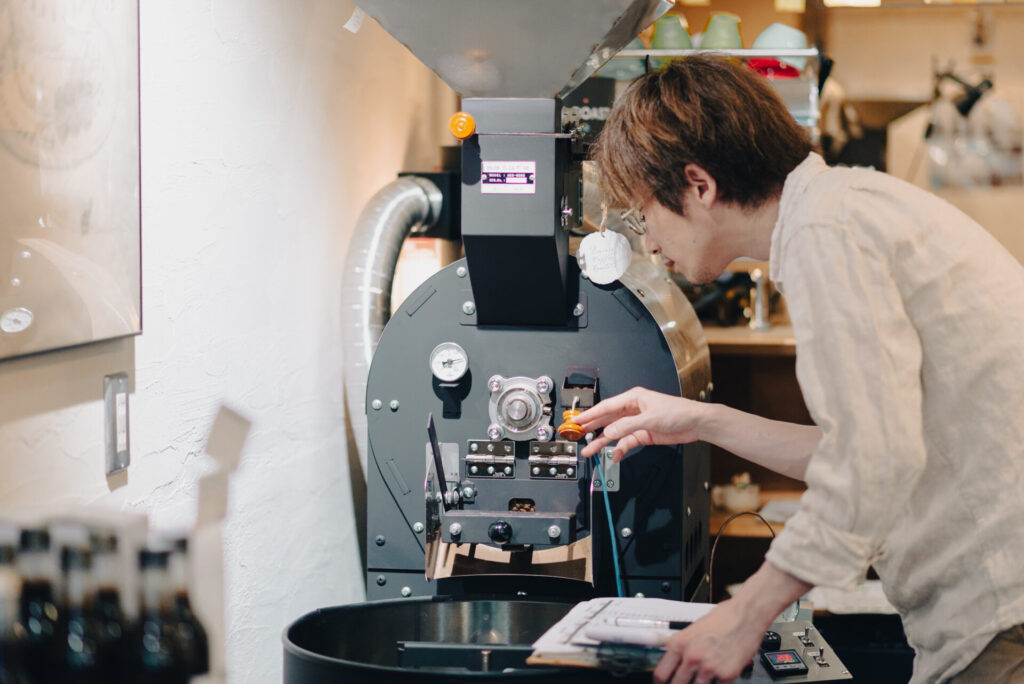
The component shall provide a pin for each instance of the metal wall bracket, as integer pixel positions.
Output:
(115, 412)
(611, 472)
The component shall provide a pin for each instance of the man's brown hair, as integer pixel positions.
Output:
(706, 111)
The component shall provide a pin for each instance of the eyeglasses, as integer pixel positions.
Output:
(634, 220)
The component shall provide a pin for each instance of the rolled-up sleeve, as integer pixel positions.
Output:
(858, 365)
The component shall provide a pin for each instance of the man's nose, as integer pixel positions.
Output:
(651, 245)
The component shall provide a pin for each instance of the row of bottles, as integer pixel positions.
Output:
(70, 627)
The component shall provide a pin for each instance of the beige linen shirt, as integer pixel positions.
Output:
(909, 323)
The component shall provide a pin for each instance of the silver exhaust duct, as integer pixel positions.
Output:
(396, 210)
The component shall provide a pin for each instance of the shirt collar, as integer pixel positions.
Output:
(794, 187)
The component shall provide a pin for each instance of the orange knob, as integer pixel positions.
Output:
(569, 430)
(462, 125)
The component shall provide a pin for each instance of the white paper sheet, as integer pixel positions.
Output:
(568, 635)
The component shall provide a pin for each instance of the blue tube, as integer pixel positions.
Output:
(611, 526)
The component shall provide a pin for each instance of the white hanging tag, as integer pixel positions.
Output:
(604, 257)
(355, 22)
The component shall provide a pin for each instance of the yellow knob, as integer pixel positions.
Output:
(462, 125)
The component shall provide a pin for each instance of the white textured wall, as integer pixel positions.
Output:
(265, 127)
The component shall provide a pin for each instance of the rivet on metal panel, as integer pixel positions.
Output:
(417, 527)
(626, 533)
(379, 540)
(394, 404)
(468, 308)
(461, 271)
(381, 580)
(578, 310)
(406, 592)
(376, 404)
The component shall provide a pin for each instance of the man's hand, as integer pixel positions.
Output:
(641, 417)
(715, 648)
(723, 642)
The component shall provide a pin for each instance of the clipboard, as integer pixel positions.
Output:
(566, 643)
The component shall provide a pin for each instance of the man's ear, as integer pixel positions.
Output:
(704, 187)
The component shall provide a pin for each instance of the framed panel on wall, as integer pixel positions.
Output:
(70, 261)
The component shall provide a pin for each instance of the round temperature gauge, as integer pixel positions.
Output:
(448, 362)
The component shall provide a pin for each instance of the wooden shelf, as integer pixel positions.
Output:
(741, 340)
(748, 525)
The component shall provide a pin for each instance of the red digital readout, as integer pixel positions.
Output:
(784, 658)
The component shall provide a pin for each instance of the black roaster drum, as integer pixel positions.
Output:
(360, 642)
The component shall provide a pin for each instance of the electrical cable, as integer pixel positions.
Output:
(718, 535)
(611, 527)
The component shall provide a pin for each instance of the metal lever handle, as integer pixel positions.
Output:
(435, 449)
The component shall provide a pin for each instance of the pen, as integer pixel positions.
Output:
(651, 624)
(610, 634)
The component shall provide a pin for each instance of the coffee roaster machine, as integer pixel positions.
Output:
(484, 522)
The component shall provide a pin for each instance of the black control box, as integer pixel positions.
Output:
(783, 663)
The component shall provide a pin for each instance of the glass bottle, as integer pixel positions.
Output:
(79, 660)
(105, 605)
(192, 643)
(38, 616)
(10, 662)
(153, 642)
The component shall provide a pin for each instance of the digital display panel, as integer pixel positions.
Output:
(782, 657)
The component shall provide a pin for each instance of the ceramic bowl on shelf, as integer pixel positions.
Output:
(722, 32)
(669, 34)
(782, 37)
(769, 67)
(735, 499)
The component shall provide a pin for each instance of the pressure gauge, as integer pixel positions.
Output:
(15, 320)
(448, 362)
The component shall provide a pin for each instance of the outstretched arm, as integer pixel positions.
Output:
(783, 447)
(720, 644)
(641, 417)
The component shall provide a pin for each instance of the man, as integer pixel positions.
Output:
(909, 322)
